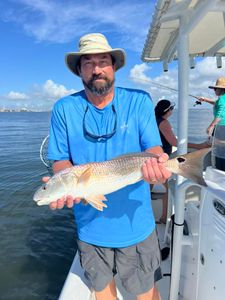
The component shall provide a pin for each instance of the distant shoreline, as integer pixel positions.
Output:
(39, 111)
(22, 111)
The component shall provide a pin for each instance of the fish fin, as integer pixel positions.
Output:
(97, 201)
(96, 206)
(191, 165)
(85, 176)
(196, 178)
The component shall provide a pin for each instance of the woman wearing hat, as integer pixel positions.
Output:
(218, 122)
(219, 104)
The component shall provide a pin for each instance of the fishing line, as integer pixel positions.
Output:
(166, 88)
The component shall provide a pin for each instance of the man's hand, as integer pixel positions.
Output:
(69, 201)
(154, 170)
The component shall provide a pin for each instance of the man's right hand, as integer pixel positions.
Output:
(69, 201)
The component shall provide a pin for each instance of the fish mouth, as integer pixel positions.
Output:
(41, 201)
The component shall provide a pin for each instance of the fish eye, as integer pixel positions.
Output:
(181, 159)
(45, 187)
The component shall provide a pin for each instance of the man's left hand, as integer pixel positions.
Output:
(154, 170)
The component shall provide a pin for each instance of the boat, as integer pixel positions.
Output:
(183, 30)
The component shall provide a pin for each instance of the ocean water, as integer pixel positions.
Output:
(37, 245)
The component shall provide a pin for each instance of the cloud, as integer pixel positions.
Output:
(50, 91)
(137, 73)
(16, 96)
(39, 97)
(166, 84)
(63, 21)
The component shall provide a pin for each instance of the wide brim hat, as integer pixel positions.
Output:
(94, 43)
(220, 84)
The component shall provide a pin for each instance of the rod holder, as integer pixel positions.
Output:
(192, 62)
(218, 61)
(165, 66)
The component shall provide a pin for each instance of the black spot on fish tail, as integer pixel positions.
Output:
(181, 159)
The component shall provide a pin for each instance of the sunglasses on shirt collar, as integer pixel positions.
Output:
(102, 137)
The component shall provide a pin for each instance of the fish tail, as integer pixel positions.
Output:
(191, 165)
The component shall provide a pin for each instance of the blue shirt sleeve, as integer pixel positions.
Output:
(58, 146)
(148, 129)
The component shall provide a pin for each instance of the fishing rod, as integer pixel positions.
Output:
(197, 102)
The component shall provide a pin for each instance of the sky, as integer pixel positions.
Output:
(36, 35)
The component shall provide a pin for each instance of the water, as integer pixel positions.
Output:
(199, 120)
(37, 245)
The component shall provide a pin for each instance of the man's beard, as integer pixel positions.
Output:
(101, 90)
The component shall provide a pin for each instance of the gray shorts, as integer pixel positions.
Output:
(138, 266)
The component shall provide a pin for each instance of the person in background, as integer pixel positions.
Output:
(163, 110)
(96, 124)
(218, 121)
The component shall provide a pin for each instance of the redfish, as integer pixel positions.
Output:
(92, 181)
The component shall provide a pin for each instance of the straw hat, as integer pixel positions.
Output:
(220, 84)
(94, 43)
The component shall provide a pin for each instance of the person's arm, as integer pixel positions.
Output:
(167, 131)
(219, 114)
(207, 100)
(58, 150)
(153, 169)
(199, 146)
(211, 127)
(61, 165)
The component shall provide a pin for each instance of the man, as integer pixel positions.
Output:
(97, 124)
